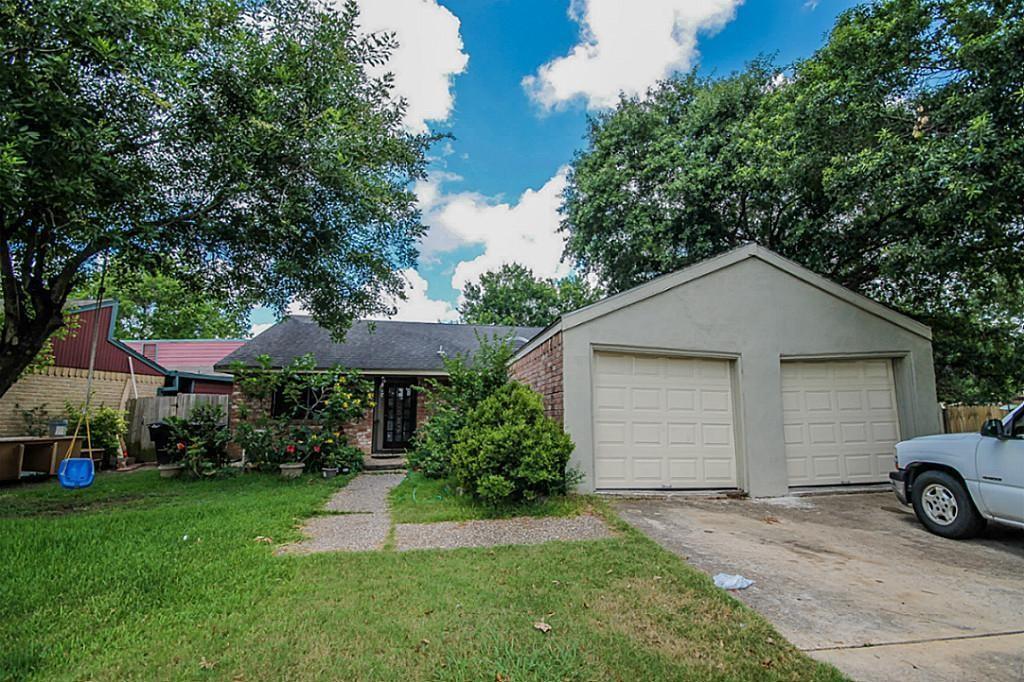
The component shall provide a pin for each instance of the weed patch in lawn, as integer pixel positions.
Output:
(419, 499)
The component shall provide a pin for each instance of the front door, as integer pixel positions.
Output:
(399, 421)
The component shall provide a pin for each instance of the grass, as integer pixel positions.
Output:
(419, 499)
(149, 579)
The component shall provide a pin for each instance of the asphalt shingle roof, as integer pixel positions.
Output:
(385, 345)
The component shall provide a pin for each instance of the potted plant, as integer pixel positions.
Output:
(173, 468)
(332, 465)
(292, 466)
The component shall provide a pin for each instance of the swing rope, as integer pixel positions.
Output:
(84, 413)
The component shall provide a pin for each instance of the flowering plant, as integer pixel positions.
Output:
(298, 413)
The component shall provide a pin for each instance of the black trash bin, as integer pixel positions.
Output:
(160, 434)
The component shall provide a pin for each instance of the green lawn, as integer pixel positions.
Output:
(419, 499)
(143, 578)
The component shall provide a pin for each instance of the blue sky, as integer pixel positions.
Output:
(514, 80)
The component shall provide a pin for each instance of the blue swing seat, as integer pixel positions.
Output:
(76, 472)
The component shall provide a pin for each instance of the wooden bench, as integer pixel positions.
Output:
(38, 454)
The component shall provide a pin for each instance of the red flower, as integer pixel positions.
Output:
(181, 446)
(316, 448)
(290, 449)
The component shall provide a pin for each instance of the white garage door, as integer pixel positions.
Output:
(662, 422)
(839, 421)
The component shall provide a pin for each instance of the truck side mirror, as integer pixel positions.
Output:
(993, 428)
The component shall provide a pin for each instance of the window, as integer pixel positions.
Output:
(305, 407)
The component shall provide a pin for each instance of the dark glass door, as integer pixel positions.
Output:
(399, 415)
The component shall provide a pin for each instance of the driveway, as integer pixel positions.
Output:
(854, 580)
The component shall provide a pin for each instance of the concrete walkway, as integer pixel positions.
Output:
(361, 522)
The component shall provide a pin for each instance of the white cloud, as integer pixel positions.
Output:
(418, 306)
(428, 57)
(523, 232)
(626, 47)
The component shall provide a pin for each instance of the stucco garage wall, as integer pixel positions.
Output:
(757, 315)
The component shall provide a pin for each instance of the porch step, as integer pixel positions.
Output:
(384, 463)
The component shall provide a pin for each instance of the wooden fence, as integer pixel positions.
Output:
(144, 411)
(969, 418)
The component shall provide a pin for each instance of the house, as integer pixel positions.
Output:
(395, 356)
(122, 370)
(191, 362)
(744, 371)
(120, 373)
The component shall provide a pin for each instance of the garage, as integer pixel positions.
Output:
(744, 371)
(840, 423)
(663, 422)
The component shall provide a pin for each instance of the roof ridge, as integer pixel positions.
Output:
(438, 324)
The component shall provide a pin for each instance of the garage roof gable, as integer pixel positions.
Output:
(711, 265)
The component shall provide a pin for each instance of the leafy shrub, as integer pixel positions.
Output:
(307, 425)
(344, 456)
(471, 379)
(36, 419)
(106, 426)
(317, 447)
(510, 451)
(201, 438)
(263, 444)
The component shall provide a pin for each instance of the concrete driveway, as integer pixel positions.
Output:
(853, 579)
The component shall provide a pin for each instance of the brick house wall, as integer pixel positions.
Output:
(541, 370)
(50, 387)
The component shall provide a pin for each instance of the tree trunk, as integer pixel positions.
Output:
(25, 343)
(13, 362)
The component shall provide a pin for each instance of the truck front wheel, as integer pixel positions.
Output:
(944, 506)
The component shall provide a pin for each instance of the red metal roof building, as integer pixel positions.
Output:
(186, 365)
(191, 360)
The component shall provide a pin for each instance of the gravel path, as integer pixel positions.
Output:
(517, 531)
(365, 493)
(362, 523)
(342, 533)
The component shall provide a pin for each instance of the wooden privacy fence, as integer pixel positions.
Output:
(144, 411)
(969, 418)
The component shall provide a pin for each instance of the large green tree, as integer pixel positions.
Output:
(153, 305)
(239, 147)
(892, 161)
(512, 295)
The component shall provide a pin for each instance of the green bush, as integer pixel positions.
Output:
(106, 426)
(205, 437)
(262, 443)
(343, 456)
(449, 401)
(510, 451)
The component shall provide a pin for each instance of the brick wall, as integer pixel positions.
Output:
(51, 387)
(541, 370)
(360, 432)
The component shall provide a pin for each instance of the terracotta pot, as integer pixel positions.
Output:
(170, 470)
(291, 469)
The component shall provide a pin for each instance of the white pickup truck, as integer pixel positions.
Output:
(957, 482)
